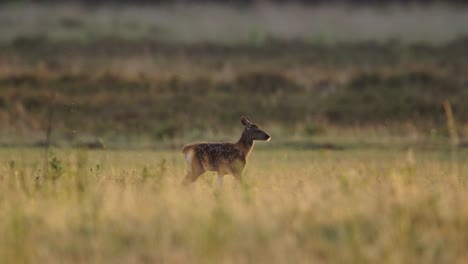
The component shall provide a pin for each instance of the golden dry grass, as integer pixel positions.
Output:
(357, 206)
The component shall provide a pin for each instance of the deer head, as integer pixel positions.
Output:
(253, 131)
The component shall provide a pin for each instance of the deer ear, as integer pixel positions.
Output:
(246, 121)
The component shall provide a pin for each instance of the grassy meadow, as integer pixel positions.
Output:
(362, 206)
(365, 165)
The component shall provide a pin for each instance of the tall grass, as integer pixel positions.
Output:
(296, 206)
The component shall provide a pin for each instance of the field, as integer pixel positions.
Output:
(366, 106)
(362, 206)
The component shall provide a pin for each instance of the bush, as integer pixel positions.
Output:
(265, 83)
(409, 96)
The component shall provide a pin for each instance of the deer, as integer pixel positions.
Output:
(222, 157)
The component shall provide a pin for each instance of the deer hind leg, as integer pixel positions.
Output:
(220, 180)
(195, 169)
(191, 176)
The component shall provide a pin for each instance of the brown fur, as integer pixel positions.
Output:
(224, 158)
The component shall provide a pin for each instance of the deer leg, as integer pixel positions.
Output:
(237, 170)
(220, 180)
(238, 176)
(195, 170)
(191, 177)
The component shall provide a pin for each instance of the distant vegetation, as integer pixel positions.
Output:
(104, 75)
(184, 89)
(190, 23)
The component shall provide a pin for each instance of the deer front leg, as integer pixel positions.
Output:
(237, 170)
(238, 176)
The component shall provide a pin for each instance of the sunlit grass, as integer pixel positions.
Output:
(366, 206)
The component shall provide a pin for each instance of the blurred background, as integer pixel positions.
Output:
(159, 74)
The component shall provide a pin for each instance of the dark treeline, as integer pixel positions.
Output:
(352, 85)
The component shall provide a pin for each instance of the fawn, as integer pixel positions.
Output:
(224, 158)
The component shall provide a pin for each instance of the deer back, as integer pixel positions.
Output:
(221, 157)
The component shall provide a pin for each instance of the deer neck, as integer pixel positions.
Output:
(245, 143)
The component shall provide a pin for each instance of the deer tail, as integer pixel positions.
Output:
(186, 148)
